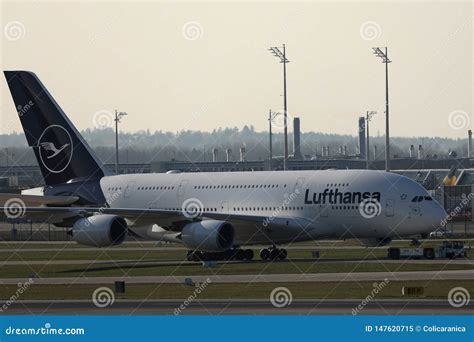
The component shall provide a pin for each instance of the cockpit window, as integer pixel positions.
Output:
(421, 198)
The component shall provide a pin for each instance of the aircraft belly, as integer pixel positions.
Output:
(251, 234)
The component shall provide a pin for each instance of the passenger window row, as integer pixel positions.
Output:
(266, 208)
(344, 207)
(155, 188)
(421, 198)
(238, 209)
(205, 187)
(241, 186)
(195, 210)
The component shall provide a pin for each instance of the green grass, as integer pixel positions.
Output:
(98, 254)
(304, 290)
(150, 269)
(163, 254)
(75, 245)
(19, 245)
(327, 290)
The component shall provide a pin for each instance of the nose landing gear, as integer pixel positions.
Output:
(273, 253)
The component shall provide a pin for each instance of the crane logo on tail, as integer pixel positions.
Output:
(49, 146)
(55, 148)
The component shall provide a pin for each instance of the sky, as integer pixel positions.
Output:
(203, 65)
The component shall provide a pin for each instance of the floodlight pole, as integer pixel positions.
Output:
(285, 132)
(282, 56)
(368, 117)
(378, 52)
(270, 138)
(367, 150)
(118, 116)
(271, 116)
(387, 123)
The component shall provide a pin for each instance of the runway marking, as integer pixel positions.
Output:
(242, 307)
(261, 278)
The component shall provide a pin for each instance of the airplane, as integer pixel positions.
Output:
(213, 214)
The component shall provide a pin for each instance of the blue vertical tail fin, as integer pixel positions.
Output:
(60, 150)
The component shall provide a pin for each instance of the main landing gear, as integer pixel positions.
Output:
(231, 254)
(237, 254)
(273, 253)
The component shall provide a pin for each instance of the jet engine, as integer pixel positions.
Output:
(208, 235)
(100, 230)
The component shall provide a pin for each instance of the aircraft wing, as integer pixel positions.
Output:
(161, 217)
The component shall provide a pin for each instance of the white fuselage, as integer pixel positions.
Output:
(294, 205)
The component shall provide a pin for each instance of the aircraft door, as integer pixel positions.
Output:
(129, 189)
(299, 185)
(182, 188)
(389, 207)
(323, 210)
(225, 207)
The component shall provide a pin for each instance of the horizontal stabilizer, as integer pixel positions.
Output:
(7, 200)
